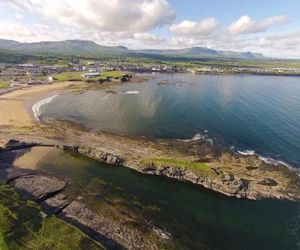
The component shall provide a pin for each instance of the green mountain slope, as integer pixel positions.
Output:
(91, 49)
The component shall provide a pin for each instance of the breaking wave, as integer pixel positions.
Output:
(36, 108)
(265, 159)
(246, 152)
(132, 92)
(198, 137)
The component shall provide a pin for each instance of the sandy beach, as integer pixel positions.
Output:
(13, 110)
(15, 107)
(31, 160)
(226, 173)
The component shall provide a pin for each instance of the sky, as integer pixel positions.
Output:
(260, 26)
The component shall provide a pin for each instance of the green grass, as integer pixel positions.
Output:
(61, 63)
(4, 85)
(114, 74)
(76, 76)
(22, 227)
(69, 76)
(178, 163)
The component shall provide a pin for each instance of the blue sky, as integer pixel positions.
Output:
(228, 10)
(264, 26)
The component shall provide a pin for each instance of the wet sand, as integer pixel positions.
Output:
(13, 110)
(32, 159)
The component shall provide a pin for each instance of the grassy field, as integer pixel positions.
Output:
(114, 74)
(178, 163)
(22, 226)
(76, 76)
(192, 62)
(69, 76)
(4, 85)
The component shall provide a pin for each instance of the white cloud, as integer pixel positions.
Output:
(33, 33)
(122, 17)
(191, 28)
(245, 25)
(129, 23)
(147, 39)
(19, 16)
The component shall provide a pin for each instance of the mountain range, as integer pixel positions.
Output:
(83, 48)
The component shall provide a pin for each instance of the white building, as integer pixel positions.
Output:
(90, 75)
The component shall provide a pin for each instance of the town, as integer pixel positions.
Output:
(15, 76)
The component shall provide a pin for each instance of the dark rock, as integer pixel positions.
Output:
(69, 148)
(228, 177)
(14, 145)
(216, 170)
(100, 155)
(38, 187)
(250, 168)
(112, 234)
(149, 170)
(268, 182)
(56, 203)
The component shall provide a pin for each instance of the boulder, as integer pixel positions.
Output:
(56, 203)
(38, 187)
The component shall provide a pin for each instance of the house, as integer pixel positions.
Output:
(90, 75)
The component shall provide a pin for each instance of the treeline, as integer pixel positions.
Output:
(11, 57)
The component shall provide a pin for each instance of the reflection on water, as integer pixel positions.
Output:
(260, 113)
(196, 217)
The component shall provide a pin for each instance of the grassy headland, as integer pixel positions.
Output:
(185, 164)
(23, 225)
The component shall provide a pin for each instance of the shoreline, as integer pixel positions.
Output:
(13, 108)
(219, 159)
(25, 143)
(36, 107)
(198, 136)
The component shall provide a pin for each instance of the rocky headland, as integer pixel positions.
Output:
(201, 161)
(219, 169)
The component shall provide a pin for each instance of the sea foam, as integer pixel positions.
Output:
(36, 108)
(246, 152)
(198, 137)
(132, 92)
(265, 159)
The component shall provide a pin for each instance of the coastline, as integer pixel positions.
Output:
(36, 107)
(203, 136)
(137, 153)
(13, 110)
(24, 142)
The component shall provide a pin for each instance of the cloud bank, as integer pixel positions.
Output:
(121, 17)
(141, 24)
(245, 25)
(190, 28)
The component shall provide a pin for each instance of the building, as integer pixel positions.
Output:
(90, 75)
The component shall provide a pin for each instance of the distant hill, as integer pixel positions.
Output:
(68, 47)
(201, 52)
(91, 49)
